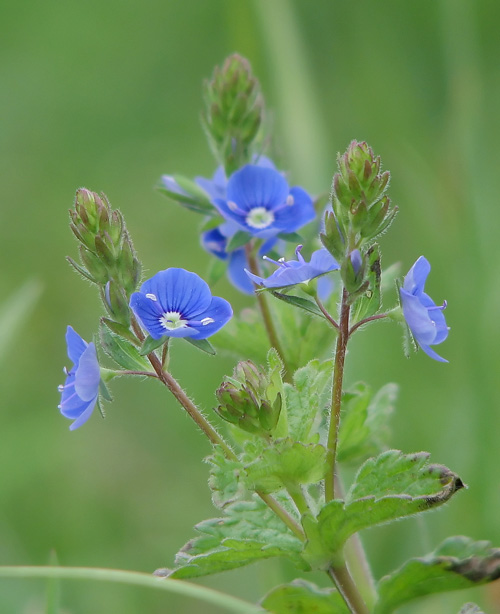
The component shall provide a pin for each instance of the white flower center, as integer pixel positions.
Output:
(171, 320)
(259, 218)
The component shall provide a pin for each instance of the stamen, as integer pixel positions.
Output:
(172, 320)
(260, 217)
(440, 307)
(290, 200)
(206, 321)
(151, 296)
(232, 205)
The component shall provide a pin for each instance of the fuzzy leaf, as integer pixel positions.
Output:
(202, 344)
(364, 421)
(285, 462)
(224, 480)
(247, 532)
(298, 301)
(459, 562)
(307, 398)
(301, 597)
(386, 488)
(122, 351)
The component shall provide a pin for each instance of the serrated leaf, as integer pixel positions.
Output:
(150, 345)
(298, 301)
(471, 608)
(239, 239)
(301, 597)
(459, 562)
(392, 486)
(307, 399)
(364, 423)
(202, 344)
(247, 532)
(225, 478)
(122, 351)
(286, 462)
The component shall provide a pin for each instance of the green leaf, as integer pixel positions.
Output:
(386, 488)
(364, 423)
(239, 239)
(122, 351)
(247, 532)
(193, 197)
(307, 399)
(301, 597)
(471, 608)
(459, 562)
(202, 344)
(224, 480)
(15, 311)
(298, 301)
(290, 237)
(286, 462)
(216, 269)
(120, 329)
(150, 345)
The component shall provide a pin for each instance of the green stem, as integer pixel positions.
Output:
(295, 491)
(180, 587)
(338, 378)
(266, 313)
(346, 587)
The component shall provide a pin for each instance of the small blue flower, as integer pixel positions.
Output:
(298, 271)
(81, 389)
(259, 200)
(177, 303)
(424, 318)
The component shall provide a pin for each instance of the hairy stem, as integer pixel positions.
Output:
(338, 378)
(346, 587)
(324, 311)
(266, 313)
(379, 316)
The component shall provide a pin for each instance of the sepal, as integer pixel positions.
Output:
(124, 353)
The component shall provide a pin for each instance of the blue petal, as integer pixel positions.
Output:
(430, 352)
(292, 217)
(88, 374)
(215, 187)
(180, 291)
(236, 272)
(322, 260)
(76, 345)
(220, 312)
(414, 281)
(254, 186)
(149, 313)
(84, 416)
(417, 318)
(215, 242)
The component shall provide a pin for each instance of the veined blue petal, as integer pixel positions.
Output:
(75, 344)
(220, 312)
(291, 217)
(88, 374)
(254, 186)
(236, 271)
(414, 281)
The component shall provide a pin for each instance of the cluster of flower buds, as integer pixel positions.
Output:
(106, 251)
(244, 400)
(233, 112)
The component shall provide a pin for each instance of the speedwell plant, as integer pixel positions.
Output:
(283, 425)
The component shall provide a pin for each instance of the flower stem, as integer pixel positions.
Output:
(346, 587)
(379, 316)
(266, 313)
(324, 311)
(338, 378)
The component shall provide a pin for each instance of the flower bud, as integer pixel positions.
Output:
(244, 402)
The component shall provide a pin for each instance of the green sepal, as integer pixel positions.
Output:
(307, 399)
(458, 563)
(201, 344)
(105, 393)
(239, 239)
(392, 486)
(120, 329)
(121, 350)
(408, 340)
(83, 271)
(194, 197)
(369, 303)
(290, 237)
(298, 301)
(248, 531)
(364, 422)
(302, 597)
(286, 462)
(150, 345)
(333, 237)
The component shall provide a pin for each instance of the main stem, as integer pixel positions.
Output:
(266, 313)
(346, 587)
(338, 378)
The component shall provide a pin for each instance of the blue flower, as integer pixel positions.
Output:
(259, 200)
(424, 318)
(177, 303)
(81, 389)
(298, 271)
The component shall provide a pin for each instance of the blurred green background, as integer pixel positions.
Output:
(107, 95)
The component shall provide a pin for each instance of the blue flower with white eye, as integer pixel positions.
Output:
(178, 303)
(261, 203)
(424, 318)
(81, 389)
(292, 272)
